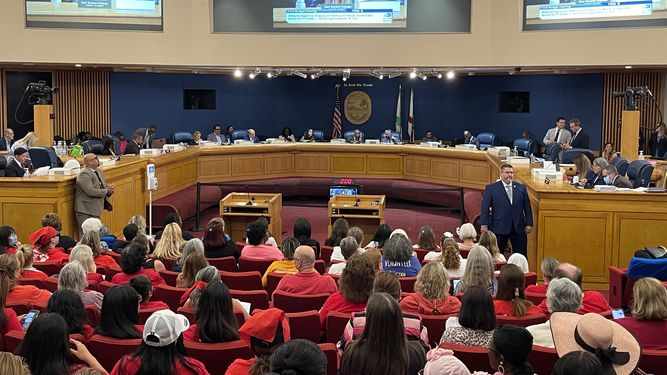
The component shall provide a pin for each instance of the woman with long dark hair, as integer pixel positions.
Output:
(338, 232)
(216, 244)
(67, 304)
(162, 351)
(215, 316)
(46, 348)
(120, 313)
(476, 321)
(302, 232)
(381, 235)
(382, 347)
(510, 299)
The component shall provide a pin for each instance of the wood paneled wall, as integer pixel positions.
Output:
(83, 103)
(613, 107)
(3, 99)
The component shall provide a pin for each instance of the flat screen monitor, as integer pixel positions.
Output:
(340, 14)
(343, 190)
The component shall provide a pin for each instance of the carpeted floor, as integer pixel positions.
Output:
(398, 214)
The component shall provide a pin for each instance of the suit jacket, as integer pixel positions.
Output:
(89, 198)
(13, 169)
(564, 136)
(211, 137)
(622, 182)
(352, 139)
(593, 179)
(657, 149)
(505, 216)
(4, 145)
(254, 139)
(132, 148)
(147, 139)
(581, 140)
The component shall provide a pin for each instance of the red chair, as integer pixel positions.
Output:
(435, 324)
(218, 356)
(543, 359)
(49, 267)
(535, 298)
(499, 265)
(110, 273)
(240, 245)
(290, 302)
(20, 307)
(169, 295)
(474, 357)
(115, 256)
(258, 299)
(93, 315)
(108, 350)
(13, 340)
(305, 325)
(525, 321)
(168, 263)
(272, 280)
(653, 361)
(530, 278)
(421, 254)
(620, 287)
(464, 253)
(36, 282)
(335, 277)
(51, 284)
(247, 265)
(607, 314)
(331, 352)
(242, 280)
(407, 284)
(169, 277)
(325, 253)
(224, 264)
(320, 267)
(144, 314)
(335, 325)
(104, 286)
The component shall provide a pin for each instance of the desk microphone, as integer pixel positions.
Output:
(249, 203)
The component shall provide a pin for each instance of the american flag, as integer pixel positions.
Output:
(337, 122)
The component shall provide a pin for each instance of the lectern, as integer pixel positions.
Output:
(363, 211)
(240, 209)
(43, 114)
(630, 135)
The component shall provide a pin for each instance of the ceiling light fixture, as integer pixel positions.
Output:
(318, 74)
(395, 74)
(346, 74)
(299, 74)
(77, 65)
(254, 74)
(269, 75)
(413, 74)
(628, 67)
(452, 75)
(238, 73)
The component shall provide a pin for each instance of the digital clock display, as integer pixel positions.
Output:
(343, 181)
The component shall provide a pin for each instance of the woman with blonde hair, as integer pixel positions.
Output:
(468, 234)
(648, 322)
(490, 242)
(583, 165)
(73, 277)
(171, 243)
(92, 239)
(25, 256)
(8, 319)
(140, 222)
(26, 142)
(431, 296)
(192, 265)
(478, 272)
(13, 365)
(28, 293)
(84, 255)
(451, 259)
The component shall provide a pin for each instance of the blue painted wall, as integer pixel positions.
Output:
(446, 107)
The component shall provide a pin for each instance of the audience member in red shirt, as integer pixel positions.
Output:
(269, 328)
(93, 240)
(592, 301)
(510, 299)
(120, 314)
(215, 318)
(44, 242)
(431, 296)
(131, 262)
(163, 343)
(8, 240)
(26, 293)
(257, 249)
(648, 323)
(11, 321)
(25, 256)
(355, 286)
(68, 304)
(549, 266)
(143, 286)
(306, 281)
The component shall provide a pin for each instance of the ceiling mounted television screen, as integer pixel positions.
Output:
(591, 14)
(340, 13)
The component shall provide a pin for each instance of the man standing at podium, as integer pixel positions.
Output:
(91, 191)
(506, 211)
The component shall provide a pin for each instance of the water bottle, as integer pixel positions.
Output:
(515, 152)
(641, 155)
(300, 4)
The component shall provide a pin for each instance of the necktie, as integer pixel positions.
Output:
(508, 188)
(100, 179)
(575, 136)
(557, 135)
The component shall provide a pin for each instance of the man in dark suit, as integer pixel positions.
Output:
(7, 140)
(252, 136)
(506, 211)
(657, 144)
(134, 146)
(611, 177)
(148, 135)
(579, 138)
(15, 167)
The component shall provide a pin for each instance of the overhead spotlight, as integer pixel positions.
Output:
(423, 77)
(377, 74)
(413, 74)
(269, 75)
(251, 75)
(299, 74)
(346, 74)
(628, 67)
(77, 65)
(395, 74)
(381, 76)
(318, 74)
(238, 73)
(451, 74)
(439, 75)
(254, 74)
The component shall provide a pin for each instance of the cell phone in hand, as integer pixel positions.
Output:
(32, 314)
(617, 313)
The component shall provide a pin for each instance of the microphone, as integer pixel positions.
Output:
(247, 189)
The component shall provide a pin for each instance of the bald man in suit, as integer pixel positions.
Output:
(92, 191)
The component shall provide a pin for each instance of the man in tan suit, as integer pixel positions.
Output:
(91, 190)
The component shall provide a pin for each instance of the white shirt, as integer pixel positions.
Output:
(337, 268)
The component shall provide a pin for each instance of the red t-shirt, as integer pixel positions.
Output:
(154, 305)
(34, 274)
(124, 278)
(240, 367)
(130, 365)
(13, 324)
(650, 333)
(504, 308)
(336, 302)
(307, 283)
(541, 289)
(107, 261)
(29, 293)
(416, 304)
(593, 302)
(56, 254)
(94, 278)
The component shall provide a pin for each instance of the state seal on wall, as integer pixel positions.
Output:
(358, 107)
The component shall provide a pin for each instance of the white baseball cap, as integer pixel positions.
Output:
(164, 327)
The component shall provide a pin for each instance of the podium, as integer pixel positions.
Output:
(43, 115)
(363, 211)
(240, 209)
(630, 135)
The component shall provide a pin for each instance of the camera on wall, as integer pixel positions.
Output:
(631, 94)
(40, 92)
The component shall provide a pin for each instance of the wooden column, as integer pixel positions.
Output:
(43, 124)
(630, 135)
